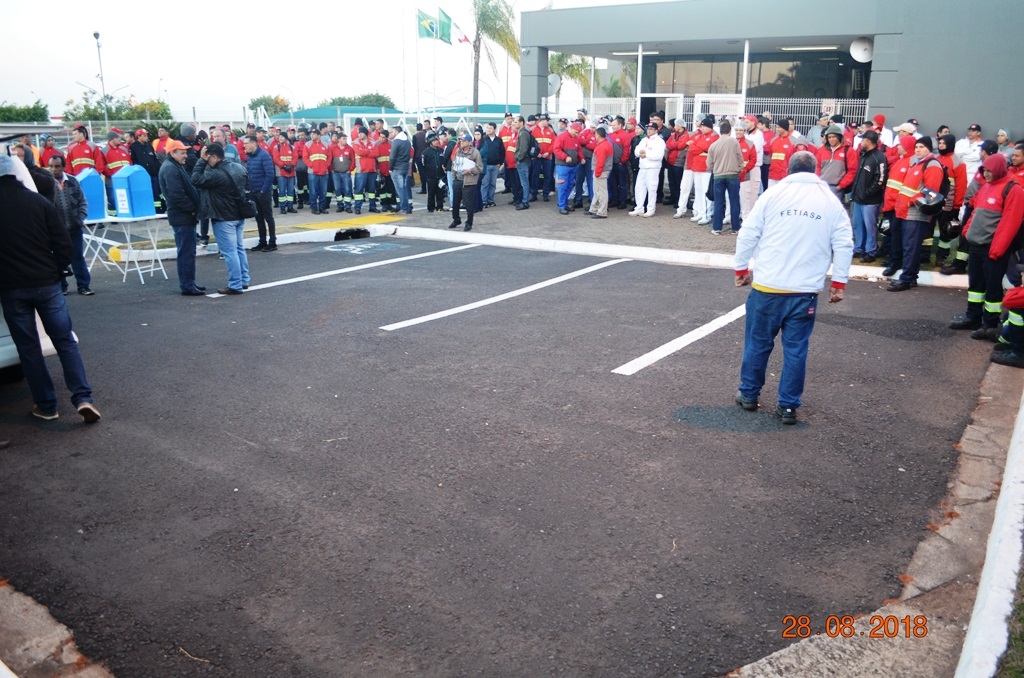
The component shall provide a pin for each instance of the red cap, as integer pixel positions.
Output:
(631, 121)
(879, 120)
(114, 129)
(576, 126)
(140, 132)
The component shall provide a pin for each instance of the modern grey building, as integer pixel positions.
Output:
(939, 61)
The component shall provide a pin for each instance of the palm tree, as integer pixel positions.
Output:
(494, 21)
(570, 67)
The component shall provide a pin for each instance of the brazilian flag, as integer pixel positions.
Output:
(427, 25)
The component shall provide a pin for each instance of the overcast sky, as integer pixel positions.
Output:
(208, 56)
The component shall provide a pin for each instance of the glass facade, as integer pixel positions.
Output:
(795, 74)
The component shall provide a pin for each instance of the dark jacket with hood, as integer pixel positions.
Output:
(220, 190)
(34, 244)
(433, 163)
(868, 186)
(70, 202)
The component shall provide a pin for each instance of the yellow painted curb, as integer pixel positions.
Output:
(354, 221)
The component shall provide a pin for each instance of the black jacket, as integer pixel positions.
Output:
(144, 156)
(492, 151)
(432, 163)
(193, 157)
(446, 157)
(34, 245)
(220, 190)
(869, 185)
(400, 148)
(181, 196)
(70, 202)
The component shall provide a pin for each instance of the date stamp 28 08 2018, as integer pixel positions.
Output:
(881, 626)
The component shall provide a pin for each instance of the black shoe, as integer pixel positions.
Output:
(258, 247)
(513, 202)
(546, 199)
(314, 211)
(867, 259)
(900, 286)
(245, 287)
(64, 292)
(962, 322)
(749, 404)
(890, 271)
(85, 291)
(577, 205)
(229, 290)
(522, 207)
(193, 293)
(270, 248)
(339, 209)
(468, 227)
(598, 216)
(200, 288)
(953, 269)
(1010, 358)
(986, 334)
(788, 414)
(454, 224)
(374, 210)
(622, 206)
(1002, 347)
(563, 212)
(292, 210)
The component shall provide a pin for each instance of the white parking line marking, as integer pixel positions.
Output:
(665, 350)
(502, 297)
(350, 269)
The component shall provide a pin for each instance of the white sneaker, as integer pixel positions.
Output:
(679, 214)
(727, 221)
(694, 218)
(703, 222)
(635, 213)
(649, 214)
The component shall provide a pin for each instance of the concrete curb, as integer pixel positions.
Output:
(593, 249)
(988, 633)
(33, 643)
(942, 579)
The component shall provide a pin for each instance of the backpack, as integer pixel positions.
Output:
(616, 151)
(932, 210)
(534, 150)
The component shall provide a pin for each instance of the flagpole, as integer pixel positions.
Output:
(437, 36)
(417, 67)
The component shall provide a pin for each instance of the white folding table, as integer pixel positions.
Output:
(99, 247)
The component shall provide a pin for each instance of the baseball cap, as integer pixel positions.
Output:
(631, 121)
(175, 145)
(975, 127)
(576, 126)
(140, 132)
(466, 137)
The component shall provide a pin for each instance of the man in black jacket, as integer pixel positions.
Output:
(401, 168)
(182, 207)
(34, 249)
(493, 153)
(222, 188)
(867, 192)
(144, 156)
(433, 172)
(72, 208)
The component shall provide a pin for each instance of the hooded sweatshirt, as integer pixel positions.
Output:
(998, 210)
(957, 173)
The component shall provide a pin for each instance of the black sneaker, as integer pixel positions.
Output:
(1002, 347)
(85, 291)
(1008, 358)
(258, 247)
(749, 404)
(89, 413)
(788, 414)
(229, 290)
(867, 259)
(36, 412)
(890, 271)
(454, 224)
(962, 322)
(986, 334)
(270, 248)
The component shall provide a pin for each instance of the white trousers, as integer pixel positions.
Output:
(701, 206)
(646, 189)
(748, 195)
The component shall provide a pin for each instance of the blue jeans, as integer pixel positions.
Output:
(523, 169)
(793, 314)
(544, 184)
(366, 186)
(618, 185)
(185, 240)
(865, 228)
(78, 265)
(317, 191)
(565, 176)
(913, 234)
(401, 182)
(20, 308)
(584, 174)
(342, 188)
(230, 244)
(451, 188)
(732, 186)
(489, 181)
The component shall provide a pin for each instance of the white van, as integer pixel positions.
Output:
(10, 365)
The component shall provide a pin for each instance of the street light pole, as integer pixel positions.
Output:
(103, 86)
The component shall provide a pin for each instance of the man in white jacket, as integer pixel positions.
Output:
(795, 231)
(650, 150)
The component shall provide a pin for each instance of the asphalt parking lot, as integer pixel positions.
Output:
(279, 486)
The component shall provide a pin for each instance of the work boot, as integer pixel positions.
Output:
(986, 334)
(1009, 358)
(962, 322)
